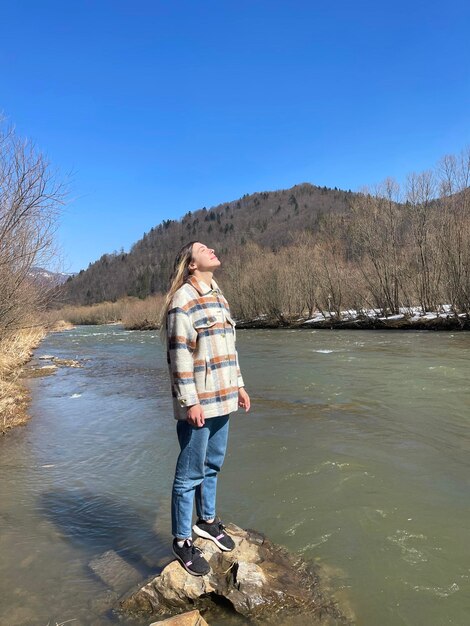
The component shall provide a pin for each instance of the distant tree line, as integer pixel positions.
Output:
(393, 248)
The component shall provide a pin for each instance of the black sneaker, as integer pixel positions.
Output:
(215, 532)
(191, 558)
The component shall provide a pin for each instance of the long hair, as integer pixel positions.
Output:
(178, 277)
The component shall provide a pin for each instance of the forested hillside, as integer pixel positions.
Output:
(289, 253)
(270, 219)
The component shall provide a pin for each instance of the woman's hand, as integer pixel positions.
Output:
(243, 399)
(195, 416)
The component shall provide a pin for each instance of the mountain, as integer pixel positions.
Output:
(47, 279)
(269, 218)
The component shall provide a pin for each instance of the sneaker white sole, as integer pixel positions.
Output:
(204, 535)
(190, 571)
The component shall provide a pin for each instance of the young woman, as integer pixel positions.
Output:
(199, 333)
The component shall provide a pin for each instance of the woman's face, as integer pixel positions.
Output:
(204, 258)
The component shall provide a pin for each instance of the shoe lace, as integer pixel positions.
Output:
(194, 549)
(220, 525)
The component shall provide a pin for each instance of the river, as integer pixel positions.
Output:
(355, 454)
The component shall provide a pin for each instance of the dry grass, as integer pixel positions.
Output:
(15, 351)
(59, 326)
(134, 313)
(102, 313)
(142, 314)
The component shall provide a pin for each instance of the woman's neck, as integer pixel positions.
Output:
(205, 277)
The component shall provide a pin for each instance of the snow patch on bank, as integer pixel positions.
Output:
(414, 314)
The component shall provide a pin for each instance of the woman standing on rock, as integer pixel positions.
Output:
(207, 386)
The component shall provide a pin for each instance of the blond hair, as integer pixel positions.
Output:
(178, 278)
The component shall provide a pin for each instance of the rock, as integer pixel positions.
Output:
(58, 361)
(193, 618)
(114, 571)
(258, 580)
(36, 371)
(66, 362)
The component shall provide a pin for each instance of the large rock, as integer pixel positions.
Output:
(193, 618)
(258, 579)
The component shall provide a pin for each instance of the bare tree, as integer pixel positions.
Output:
(453, 230)
(425, 259)
(376, 231)
(329, 258)
(30, 199)
(301, 263)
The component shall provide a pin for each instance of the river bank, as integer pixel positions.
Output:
(135, 314)
(402, 321)
(349, 320)
(15, 352)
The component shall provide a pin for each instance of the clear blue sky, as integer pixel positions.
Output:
(164, 107)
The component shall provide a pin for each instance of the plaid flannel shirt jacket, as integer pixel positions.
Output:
(201, 353)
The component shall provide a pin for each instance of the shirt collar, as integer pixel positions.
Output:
(201, 287)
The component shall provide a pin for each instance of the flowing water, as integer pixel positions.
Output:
(355, 454)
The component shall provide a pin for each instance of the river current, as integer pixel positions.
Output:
(355, 455)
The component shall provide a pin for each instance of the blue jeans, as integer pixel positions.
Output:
(200, 459)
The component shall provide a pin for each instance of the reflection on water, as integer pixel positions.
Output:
(355, 454)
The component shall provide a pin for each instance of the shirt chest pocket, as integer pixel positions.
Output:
(230, 324)
(203, 325)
